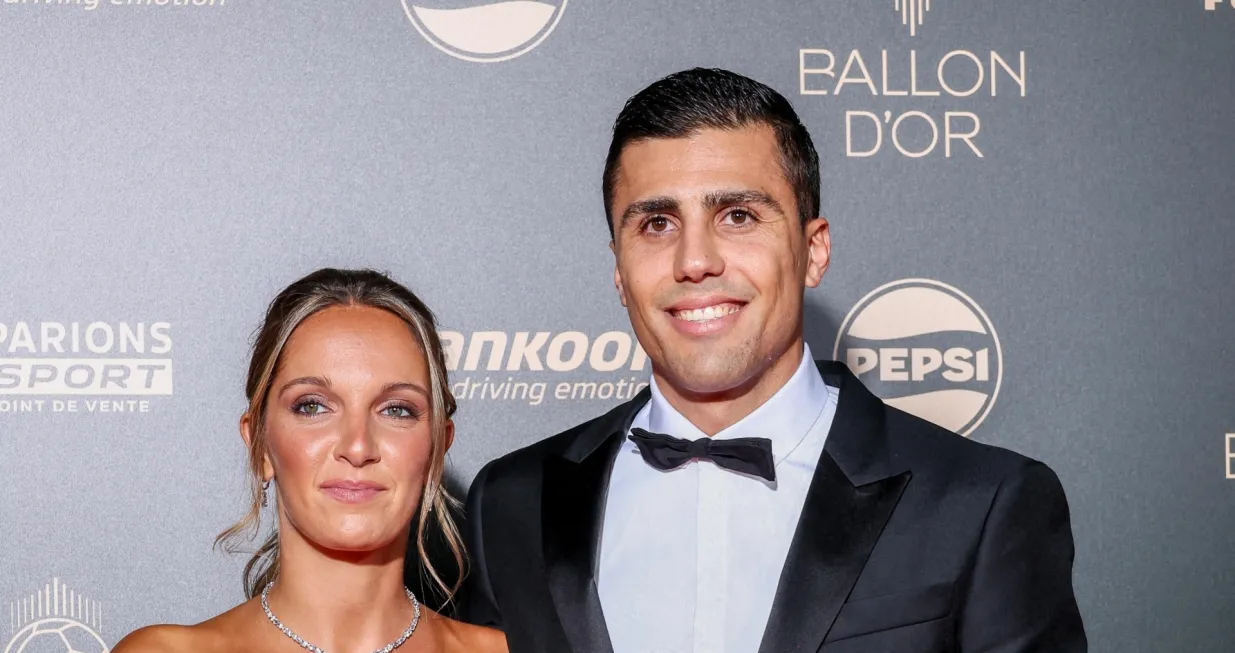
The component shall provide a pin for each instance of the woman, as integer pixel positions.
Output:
(347, 428)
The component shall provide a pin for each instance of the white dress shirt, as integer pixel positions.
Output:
(690, 558)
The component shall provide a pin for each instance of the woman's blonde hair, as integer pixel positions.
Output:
(318, 291)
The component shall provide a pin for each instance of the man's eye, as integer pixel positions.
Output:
(658, 224)
(739, 217)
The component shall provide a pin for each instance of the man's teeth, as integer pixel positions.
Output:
(709, 313)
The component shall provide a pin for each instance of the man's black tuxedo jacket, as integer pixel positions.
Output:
(912, 540)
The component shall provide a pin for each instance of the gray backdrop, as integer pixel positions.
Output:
(166, 167)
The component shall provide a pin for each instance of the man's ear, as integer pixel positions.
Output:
(246, 433)
(818, 250)
(617, 274)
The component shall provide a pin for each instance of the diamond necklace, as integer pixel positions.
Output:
(303, 644)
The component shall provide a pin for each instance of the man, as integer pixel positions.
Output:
(751, 499)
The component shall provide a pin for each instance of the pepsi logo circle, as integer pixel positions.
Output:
(485, 32)
(926, 348)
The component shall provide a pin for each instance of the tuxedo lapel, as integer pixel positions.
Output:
(854, 491)
(572, 514)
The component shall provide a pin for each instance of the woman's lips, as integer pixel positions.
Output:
(351, 491)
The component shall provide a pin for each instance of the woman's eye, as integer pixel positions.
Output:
(309, 407)
(402, 412)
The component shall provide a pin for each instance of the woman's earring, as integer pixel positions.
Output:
(265, 489)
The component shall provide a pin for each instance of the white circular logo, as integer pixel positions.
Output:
(485, 33)
(926, 348)
(56, 619)
(56, 635)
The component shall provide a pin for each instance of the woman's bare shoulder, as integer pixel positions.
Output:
(218, 634)
(469, 638)
(163, 637)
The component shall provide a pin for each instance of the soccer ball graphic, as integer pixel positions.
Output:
(56, 635)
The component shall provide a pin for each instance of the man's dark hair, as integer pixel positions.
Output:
(710, 98)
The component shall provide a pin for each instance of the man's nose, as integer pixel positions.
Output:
(698, 256)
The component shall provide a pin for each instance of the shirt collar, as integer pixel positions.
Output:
(785, 418)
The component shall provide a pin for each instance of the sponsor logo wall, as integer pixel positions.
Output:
(91, 366)
(927, 348)
(568, 354)
(485, 32)
(1230, 455)
(1030, 204)
(56, 618)
(958, 77)
(91, 5)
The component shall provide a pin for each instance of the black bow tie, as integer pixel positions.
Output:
(745, 455)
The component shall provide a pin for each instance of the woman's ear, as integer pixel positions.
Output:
(246, 433)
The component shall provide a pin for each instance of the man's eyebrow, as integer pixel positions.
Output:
(306, 380)
(722, 198)
(649, 205)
